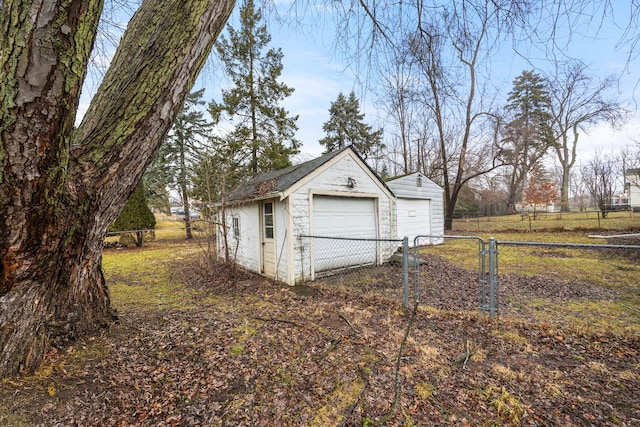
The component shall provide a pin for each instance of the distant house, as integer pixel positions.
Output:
(632, 183)
(419, 208)
(335, 195)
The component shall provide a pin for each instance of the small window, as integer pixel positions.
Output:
(268, 220)
(236, 227)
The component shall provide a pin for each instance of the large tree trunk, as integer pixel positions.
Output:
(60, 188)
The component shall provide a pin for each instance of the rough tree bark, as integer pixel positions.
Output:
(61, 187)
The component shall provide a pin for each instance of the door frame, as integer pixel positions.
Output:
(266, 242)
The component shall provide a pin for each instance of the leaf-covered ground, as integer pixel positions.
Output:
(236, 351)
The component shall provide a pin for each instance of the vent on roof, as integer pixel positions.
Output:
(419, 181)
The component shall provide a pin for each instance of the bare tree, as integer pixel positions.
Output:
(397, 98)
(600, 175)
(458, 40)
(579, 101)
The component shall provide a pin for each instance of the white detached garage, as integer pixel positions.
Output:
(336, 195)
(419, 208)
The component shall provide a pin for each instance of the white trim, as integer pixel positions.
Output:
(313, 192)
(312, 252)
(291, 243)
(315, 173)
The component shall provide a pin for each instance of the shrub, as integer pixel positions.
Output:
(135, 216)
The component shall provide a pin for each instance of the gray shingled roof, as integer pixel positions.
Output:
(276, 181)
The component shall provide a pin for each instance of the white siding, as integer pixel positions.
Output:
(246, 249)
(413, 218)
(408, 188)
(634, 195)
(333, 181)
(343, 176)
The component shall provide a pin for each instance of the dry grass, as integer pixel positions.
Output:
(207, 349)
(557, 221)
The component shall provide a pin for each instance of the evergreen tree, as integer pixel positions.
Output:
(135, 216)
(527, 136)
(180, 151)
(346, 127)
(156, 189)
(263, 130)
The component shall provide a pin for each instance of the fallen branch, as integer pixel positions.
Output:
(465, 359)
(396, 395)
(334, 344)
(353, 328)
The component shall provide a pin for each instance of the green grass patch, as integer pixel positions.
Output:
(585, 265)
(335, 404)
(512, 337)
(236, 350)
(506, 404)
(425, 390)
(591, 317)
(606, 268)
(144, 277)
(556, 221)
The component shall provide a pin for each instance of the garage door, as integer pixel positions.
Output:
(414, 218)
(343, 217)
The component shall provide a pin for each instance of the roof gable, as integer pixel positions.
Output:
(412, 177)
(274, 183)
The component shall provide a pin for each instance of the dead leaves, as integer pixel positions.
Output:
(260, 355)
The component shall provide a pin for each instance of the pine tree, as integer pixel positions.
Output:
(346, 127)
(262, 129)
(527, 136)
(180, 151)
(135, 217)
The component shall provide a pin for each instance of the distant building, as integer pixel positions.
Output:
(632, 188)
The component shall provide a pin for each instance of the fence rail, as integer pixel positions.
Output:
(141, 233)
(361, 264)
(392, 264)
(486, 264)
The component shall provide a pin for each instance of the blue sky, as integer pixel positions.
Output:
(318, 75)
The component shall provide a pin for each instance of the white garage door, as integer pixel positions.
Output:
(414, 218)
(343, 217)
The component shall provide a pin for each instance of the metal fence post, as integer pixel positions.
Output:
(493, 267)
(405, 272)
(416, 268)
(482, 274)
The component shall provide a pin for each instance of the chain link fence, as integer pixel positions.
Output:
(392, 270)
(374, 267)
(444, 285)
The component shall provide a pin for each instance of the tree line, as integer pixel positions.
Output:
(442, 115)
